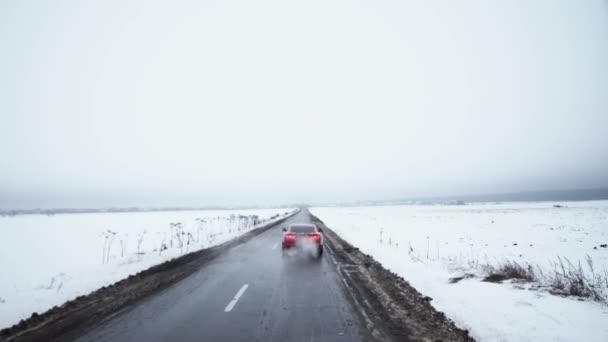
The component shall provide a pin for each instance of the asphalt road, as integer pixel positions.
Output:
(249, 293)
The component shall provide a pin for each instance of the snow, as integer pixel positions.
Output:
(48, 260)
(428, 244)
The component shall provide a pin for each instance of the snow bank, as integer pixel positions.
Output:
(429, 244)
(48, 260)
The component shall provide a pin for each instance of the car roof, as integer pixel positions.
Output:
(303, 225)
(307, 225)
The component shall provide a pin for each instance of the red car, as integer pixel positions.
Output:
(303, 236)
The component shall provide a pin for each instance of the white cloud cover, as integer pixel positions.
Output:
(202, 102)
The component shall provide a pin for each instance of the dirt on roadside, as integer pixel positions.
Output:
(389, 306)
(68, 321)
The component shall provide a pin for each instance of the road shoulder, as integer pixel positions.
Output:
(389, 306)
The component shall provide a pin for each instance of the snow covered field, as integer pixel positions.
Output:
(429, 244)
(48, 260)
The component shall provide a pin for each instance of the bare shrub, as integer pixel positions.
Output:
(454, 280)
(569, 279)
(566, 279)
(510, 270)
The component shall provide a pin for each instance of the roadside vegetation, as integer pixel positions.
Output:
(580, 279)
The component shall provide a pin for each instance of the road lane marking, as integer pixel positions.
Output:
(238, 295)
(333, 259)
(275, 246)
(342, 278)
(331, 254)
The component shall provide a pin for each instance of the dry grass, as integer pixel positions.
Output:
(569, 279)
(566, 278)
(454, 280)
(510, 270)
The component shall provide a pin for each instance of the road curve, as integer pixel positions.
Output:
(249, 293)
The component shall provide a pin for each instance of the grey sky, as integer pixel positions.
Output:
(221, 102)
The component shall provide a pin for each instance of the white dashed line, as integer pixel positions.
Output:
(238, 295)
(275, 246)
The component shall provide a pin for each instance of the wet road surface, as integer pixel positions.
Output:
(250, 293)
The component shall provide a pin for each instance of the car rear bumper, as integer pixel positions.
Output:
(296, 245)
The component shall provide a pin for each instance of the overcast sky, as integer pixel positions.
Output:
(116, 103)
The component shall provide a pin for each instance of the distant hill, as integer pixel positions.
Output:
(551, 195)
(528, 196)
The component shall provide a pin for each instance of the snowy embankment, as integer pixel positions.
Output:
(48, 260)
(430, 244)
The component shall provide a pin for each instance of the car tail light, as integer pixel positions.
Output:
(316, 237)
(290, 236)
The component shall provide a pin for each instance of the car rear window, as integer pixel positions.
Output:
(302, 229)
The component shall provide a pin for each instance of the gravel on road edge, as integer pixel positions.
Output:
(390, 307)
